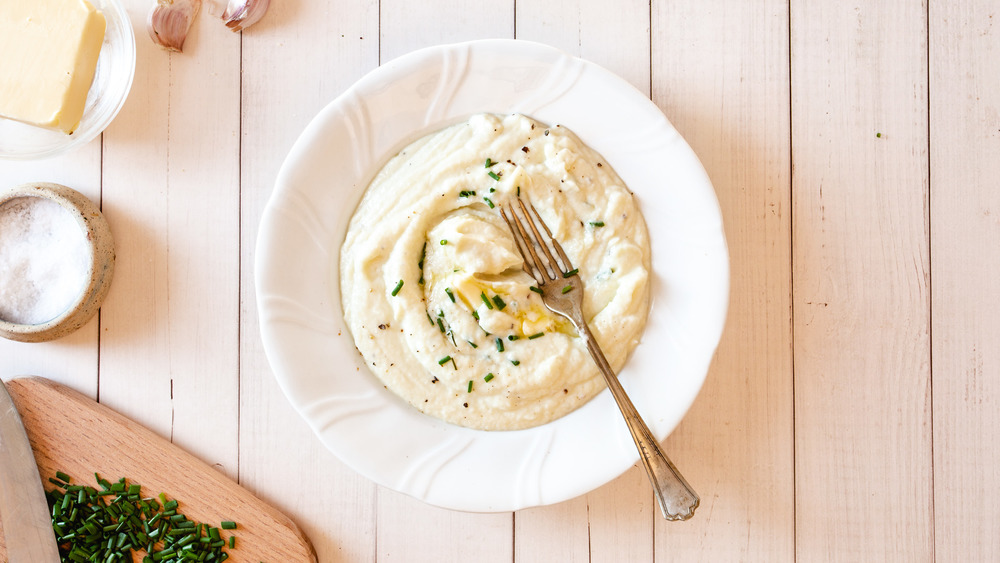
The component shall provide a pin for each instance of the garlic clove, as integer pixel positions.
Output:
(241, 14)
(169, 22)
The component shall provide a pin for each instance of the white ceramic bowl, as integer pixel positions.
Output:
(112, 82)
(312, 352)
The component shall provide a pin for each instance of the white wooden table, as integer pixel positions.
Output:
(851, 412)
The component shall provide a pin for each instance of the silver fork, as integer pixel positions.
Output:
(562, 292)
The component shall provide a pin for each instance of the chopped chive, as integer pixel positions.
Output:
(397, 288)
(489, 163)
(473, 344)
(486, 300)
(475, 315)
(536, 290)
(62, 476)
(519, 191)
(499, 344)
(420, 263)
(536, 335)
(228, 525)
(513, 337)
(444, 360)
(232, 542)
(492, 190)
(488, 377)
(450, 294)
(444, 242)
(470, 386)
(499, 302)
(567, 289)
(597, 223)
(571, 273)
(494, 176)
(466, 193)
(429, 319)
(489, 202)
(453, 364)
(440, 325)
(94, 529)
(516, 362)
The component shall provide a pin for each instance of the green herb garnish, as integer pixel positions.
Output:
(488, 377)
(117, 522)
(597, 223)
(489, 163)
(567, 289)
(499, 303)
(516, 362)
(536, 335)
(444, 360)
(450, 294)
(494, 176)
(489, 202)
(466, 193)
(486, 300)
(473, 344)
(513, 337)
(536, 290)
(470, 386)
(397, 288)
(444, 242)
(499, 344)
(571, 273)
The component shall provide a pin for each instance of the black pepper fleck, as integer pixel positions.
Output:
(466, 405)
(524, 149)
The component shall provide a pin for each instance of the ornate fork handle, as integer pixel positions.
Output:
(677, 500)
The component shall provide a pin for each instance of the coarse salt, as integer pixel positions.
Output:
(44, 260)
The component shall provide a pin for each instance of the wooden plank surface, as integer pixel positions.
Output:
(850, 413)
(170, 324)
(71, 433)
(720, 73)
(860, 270)
(965, 251)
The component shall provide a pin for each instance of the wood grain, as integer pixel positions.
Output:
(965, 252)
(71, 433)
(294, 62)
(720, 73)
(860, 278)
(832, 270)
(171, 189)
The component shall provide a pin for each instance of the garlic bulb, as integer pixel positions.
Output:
(170, 20)
(241, 14)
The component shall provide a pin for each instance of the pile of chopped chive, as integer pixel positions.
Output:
(107, 525)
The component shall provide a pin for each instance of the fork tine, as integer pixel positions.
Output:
(556, 269)
(566, 265)
(531, 264)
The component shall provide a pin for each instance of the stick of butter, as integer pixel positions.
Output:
(48, 55)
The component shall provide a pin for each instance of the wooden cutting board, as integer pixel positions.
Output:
(71, 433)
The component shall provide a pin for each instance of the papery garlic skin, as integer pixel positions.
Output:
(241, 14)
(169, 22)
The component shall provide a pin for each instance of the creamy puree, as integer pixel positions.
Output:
(433, 288)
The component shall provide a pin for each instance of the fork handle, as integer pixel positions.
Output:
(677, 499)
